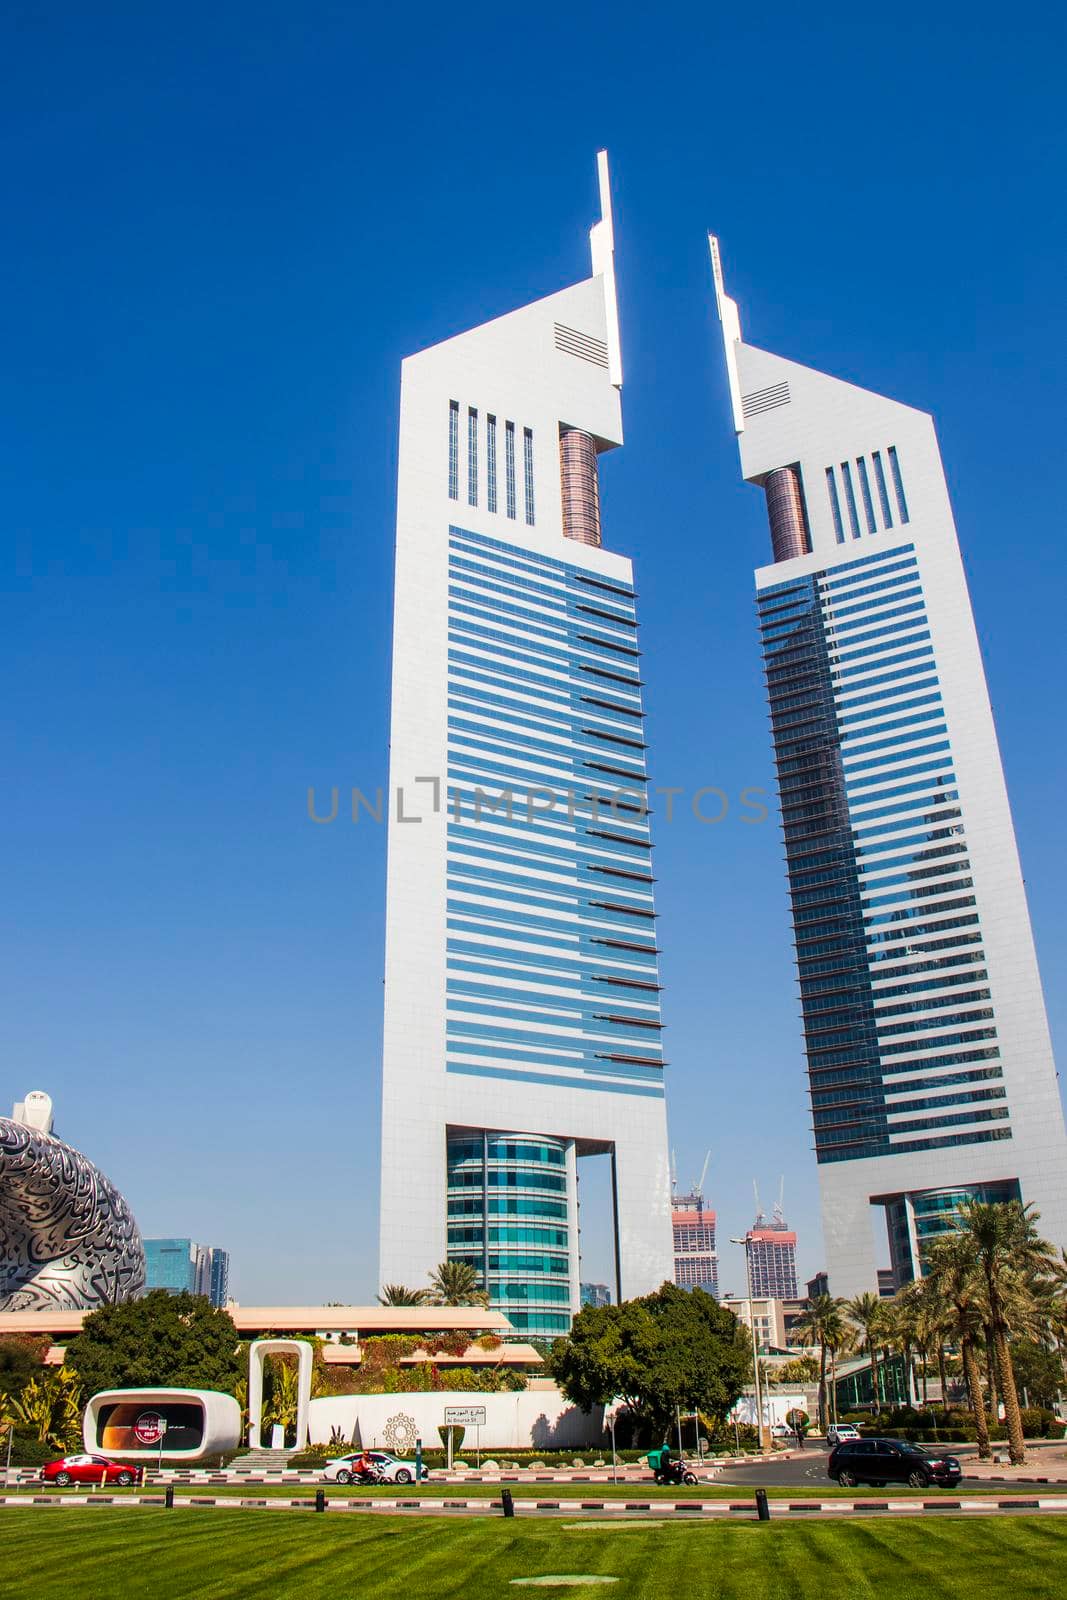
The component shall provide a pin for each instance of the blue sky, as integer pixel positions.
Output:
(225, 227)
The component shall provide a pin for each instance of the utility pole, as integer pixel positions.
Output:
(752, 1325)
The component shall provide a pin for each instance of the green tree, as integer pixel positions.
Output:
(1038, 1371)
(664, 1350)
(20, 1360)
(398, 1294)
(179, 1341)
(822, 1324)
(457, 1283)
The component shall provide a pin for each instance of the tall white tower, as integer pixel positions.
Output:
(522, 1026)
(929, 1059)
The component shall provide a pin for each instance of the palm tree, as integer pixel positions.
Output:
(867, 1311)
(843, 1345)
(822, 1325)
(953, 1280)
(1010, 1254)
(457, 1283)
(398, 1294)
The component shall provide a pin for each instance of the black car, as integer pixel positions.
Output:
(882, 1461)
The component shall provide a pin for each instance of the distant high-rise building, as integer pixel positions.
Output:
(219, 1277)
(181, 1265)
(818, 1285)
(929, 1061)
(772, 1254)
(596, 1294)
(696, 1265)
(522, 1013)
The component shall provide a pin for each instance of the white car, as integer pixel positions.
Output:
(392, 1468)
(838, 1432)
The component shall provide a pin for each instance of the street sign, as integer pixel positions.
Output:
(464, 1416)
(149, 1427)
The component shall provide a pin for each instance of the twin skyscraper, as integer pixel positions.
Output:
(522, 1015)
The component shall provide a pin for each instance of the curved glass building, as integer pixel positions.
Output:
(513, 1214)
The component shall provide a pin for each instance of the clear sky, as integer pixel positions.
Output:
(224, 228)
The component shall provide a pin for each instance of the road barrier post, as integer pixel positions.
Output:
(168, 1498)
(763, 1510)
(320, 1499)
(508, 1502)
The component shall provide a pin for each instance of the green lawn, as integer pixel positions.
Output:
(159, 1555)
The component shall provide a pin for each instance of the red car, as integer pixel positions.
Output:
(89, 1469)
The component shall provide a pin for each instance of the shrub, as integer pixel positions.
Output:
(1038, 1423)
(30, 1452)
(315, 1455)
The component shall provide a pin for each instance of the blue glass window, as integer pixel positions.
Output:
(835, 505)
(850, 499)
(490, 462)
(472, 456)
(453, 449)
(865, 491)
(883, 493)
(509, 468)
(528, 473)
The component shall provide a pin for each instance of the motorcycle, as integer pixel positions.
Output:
(667, 1468)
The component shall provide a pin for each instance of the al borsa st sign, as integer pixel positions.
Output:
(465, 1416)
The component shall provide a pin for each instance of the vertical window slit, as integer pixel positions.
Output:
(850, 499)
(528, 473)
(898, 484)
(865, 493)
(883, 492)
(453, 449)
(835, 504)
(490, 462)
(472, 456)
(509, 467)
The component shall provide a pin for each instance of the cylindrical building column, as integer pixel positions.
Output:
(785, 510)
(580, 485)
(570, 1151)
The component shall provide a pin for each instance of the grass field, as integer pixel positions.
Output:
(156, 1555)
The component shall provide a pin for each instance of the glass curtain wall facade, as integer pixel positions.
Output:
(511, 1199)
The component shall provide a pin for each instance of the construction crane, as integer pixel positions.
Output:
(779, 1210)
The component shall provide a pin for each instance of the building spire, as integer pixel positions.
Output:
(730, 319)
(602, 252)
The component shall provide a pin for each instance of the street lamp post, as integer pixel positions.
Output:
(752, 1324)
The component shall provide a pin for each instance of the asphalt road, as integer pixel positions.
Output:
(806, 1467)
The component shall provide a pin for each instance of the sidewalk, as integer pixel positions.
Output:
(1046, 1462)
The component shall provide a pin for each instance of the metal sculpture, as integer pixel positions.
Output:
(68, 1240)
